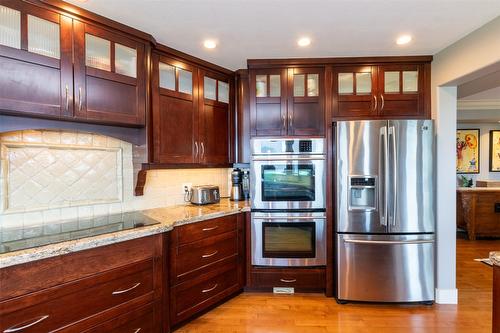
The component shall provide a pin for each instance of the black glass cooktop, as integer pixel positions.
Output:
(15, 239)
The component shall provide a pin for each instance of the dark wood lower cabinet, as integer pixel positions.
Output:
(302, 279)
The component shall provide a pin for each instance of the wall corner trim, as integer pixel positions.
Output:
(446, 296)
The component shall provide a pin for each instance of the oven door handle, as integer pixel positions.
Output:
(290, 218)
(291, 158)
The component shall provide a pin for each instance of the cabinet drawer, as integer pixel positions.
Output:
(139, 320)
(22, 279)
(197, 231)
(199, 254)
(60, 306)
(300, 278)
(198, 294)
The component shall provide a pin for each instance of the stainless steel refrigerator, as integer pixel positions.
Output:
(385, 215)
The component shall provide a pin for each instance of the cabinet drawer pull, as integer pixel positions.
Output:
(288, 280)
(210, 229)
(118, 292)
(209, 289)
(138, 330)
(210, 255)
(20, 328)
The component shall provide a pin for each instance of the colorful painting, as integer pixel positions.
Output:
(468, 151)
(495, 151)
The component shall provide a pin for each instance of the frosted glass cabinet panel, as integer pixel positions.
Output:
(167, 76)
(261, 85)
(43, 37)
(410, 81)
(210, 88)
(97, 52)
(299, 85)
(125, 60)
(10, 27)
(274, 85)
(223, 92)
(346, 83)
(391, 82)
(363, 83)
(185, 81)
(312, 85)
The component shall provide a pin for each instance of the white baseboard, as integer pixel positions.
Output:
(446, 296)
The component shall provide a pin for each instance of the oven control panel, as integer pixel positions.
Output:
(288, 146)
(305, 146)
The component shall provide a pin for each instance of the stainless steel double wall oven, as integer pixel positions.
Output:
(288, 202)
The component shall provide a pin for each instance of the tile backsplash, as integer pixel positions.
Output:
(48, 176)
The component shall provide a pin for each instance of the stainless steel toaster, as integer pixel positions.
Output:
(204, 194)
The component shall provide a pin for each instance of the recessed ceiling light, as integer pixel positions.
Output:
(305, 41)
(404, 39)
(210, 44)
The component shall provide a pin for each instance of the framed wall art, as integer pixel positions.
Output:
(495, 151)
(468, 151)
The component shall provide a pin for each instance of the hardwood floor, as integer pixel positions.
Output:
(311, 313)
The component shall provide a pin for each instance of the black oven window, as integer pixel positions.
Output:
(288, 182)
(289, 240)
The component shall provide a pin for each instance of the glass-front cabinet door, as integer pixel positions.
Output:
(175, 115)
(305, 110)
(110, 76)
(355, 88)
(400, 90)
(214, 118)
(268, 111)
(35, 60)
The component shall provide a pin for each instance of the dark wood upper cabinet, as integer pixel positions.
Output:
(35, 61)
(305, 108)
(268, 91)
(175, 111)
(215, 118)
(287, 101)
(395, 90)
(192, 115)
(110, 76)
(54, 66)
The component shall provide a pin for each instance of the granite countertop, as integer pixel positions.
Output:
(478, 189)
(169, 217)
(495, 258)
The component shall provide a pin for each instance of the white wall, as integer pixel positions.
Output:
(472, 56)
(484, 150)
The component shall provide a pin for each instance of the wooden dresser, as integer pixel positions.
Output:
(478, 211)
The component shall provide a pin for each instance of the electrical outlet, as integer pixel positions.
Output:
(186, 187)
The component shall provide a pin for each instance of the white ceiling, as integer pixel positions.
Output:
(247, 29)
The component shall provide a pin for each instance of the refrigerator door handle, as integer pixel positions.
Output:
(392, 134)
(360, 241)
(383, 171)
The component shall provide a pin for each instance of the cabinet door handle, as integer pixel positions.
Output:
(210, 255)
(202, 150)
(375, 104)
(290, 121)
(383, 101)
(20, 328)
(138, 330)
(80, 102)
(196, 149)
(209, 289)
(118, 292)
(284, 122)
(67, 98)
(210, 229)
(288, 280)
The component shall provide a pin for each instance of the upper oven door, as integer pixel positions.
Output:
(296, 182)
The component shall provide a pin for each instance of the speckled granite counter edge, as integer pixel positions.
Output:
(66, 247)
(495, 259)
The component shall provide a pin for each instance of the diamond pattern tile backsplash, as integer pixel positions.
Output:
(49, 176)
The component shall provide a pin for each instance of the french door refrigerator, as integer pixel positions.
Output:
(385, 216)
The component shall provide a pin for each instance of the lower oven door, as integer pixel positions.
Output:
(289, 239)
